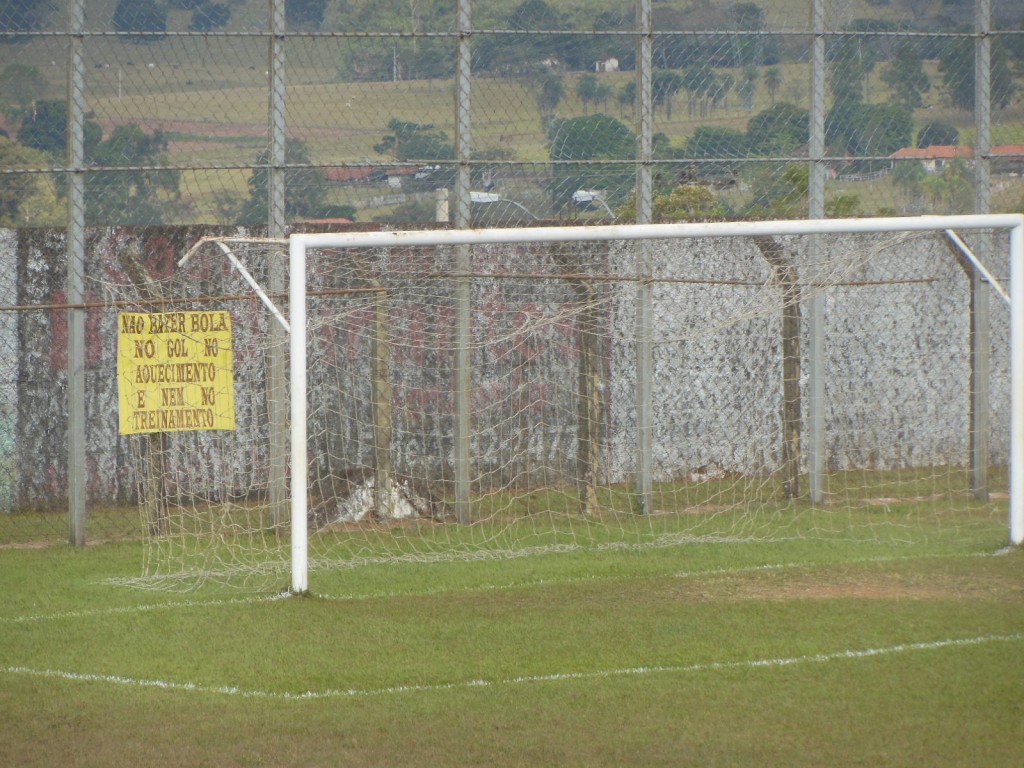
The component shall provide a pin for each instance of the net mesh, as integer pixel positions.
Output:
(556, 368)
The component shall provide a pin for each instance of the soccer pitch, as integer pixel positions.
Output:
(777, 652)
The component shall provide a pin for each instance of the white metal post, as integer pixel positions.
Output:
(297, 393)
(1017, 383)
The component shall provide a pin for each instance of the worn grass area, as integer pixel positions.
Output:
(773, 653)
(233, 543)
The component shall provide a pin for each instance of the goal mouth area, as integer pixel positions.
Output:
(572, 388)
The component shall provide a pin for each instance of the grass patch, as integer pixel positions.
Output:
(776, 654)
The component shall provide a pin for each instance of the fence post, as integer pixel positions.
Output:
(277, 390)
(816, 210)
(75, 276)
(644, 298)
(462, 220)
(980, 340)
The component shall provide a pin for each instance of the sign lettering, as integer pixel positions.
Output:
(174, 371)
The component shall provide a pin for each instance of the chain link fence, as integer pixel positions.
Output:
(188, 111)
(308, 114)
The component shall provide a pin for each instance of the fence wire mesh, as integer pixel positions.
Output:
(175, 126)
(316, 113)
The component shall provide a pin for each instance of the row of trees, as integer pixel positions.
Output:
(132, 16)
(591, 151)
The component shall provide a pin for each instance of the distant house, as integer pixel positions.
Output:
(396, 175)
(1006, 158)
(350, 174)
(610, 64)
(933, 158)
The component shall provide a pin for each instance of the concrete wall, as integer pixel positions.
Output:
(897, 361)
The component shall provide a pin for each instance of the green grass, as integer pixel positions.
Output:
(788, 650)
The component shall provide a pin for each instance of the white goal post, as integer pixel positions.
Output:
(300, 244)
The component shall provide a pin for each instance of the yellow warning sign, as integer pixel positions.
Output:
(174, 371)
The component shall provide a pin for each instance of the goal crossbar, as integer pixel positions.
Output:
(299, 243)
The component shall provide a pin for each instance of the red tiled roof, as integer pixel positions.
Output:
(349, 173)
(1008, 150)
(947, 152)
(934, 152)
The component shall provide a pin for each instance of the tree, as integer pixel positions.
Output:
(779, 192)
(869, 130)
(532, 15)
(747, 86)
(906, 77)
(415, 141)
(305, 13)
(938, 133)
(20, 86)
(305, 187)
(140, 16)
(772, 81)
(683, 202)
(26, 199)
(780, 129)
(24, 16)
(720, 91)
(848, 69)
(586, 90)
(131, 196)
(627, 98)
(589, 138)
(909, 176)
(950, 190)
(697, 81)
(603, 93)
(664, 85)
(548, 92)
(709, 141)
(956, 65)
(748, 49)
(210, 16)
(716, 143)
(513, 52)
(46, 129)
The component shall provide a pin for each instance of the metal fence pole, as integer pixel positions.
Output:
(76, 276)
(277, 404)
(980, 318)
(462, 220)
(644, 297)
(816, 210)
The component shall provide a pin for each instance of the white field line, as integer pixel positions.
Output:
(350, 693)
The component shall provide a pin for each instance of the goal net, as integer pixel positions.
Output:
(485, 394)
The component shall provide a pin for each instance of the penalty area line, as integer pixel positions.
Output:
(352, 693)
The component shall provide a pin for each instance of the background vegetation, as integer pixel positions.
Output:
(721, 97)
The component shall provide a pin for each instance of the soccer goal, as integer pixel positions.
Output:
(498, 393)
